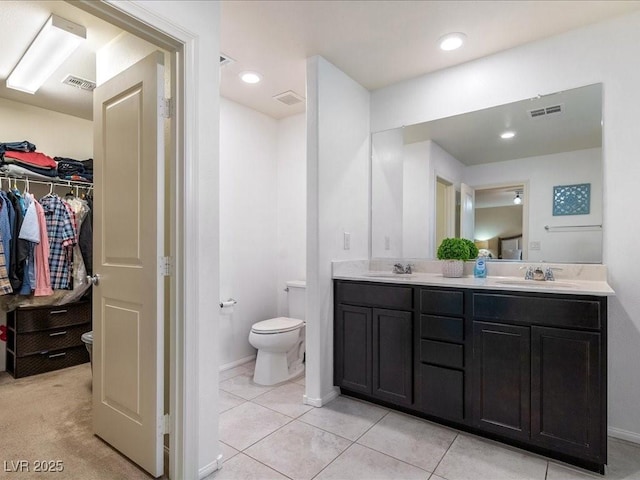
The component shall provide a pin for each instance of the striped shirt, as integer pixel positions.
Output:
(62, 236)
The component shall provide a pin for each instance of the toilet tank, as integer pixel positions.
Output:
(297, 298)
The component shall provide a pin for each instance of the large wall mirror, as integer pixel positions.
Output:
(522, 180)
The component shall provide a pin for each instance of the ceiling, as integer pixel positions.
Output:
(376, 43)
(498, 197)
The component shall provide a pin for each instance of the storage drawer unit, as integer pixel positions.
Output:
(41, 339)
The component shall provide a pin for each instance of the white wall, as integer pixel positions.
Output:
(387, 179)
(337, 202)
(417, 198)
(542, 174)
(248, 225)
(606, 53)
(291, 157)
(54, 134)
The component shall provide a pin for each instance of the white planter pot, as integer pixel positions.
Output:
(452, 268)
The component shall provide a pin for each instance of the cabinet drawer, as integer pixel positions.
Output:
(36, 319)
(442, 328)
(442, 392)
(441, 353)
(41, 363)
(375, 295)
(559, 312)
(441, 302)
(56, 339)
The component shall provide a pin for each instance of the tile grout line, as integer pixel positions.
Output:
(445, 454)
(546, 472)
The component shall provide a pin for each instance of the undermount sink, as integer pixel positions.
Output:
(387, 275)
(535, 283)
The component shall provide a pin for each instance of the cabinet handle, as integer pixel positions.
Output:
(57, 334)
(54, 312)
(56, 355)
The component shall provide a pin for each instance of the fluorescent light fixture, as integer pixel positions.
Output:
(452, 41)
(52, 46)
(507, 135)
(250, 77)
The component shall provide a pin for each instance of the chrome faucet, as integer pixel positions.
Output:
(537, 273)
(399, 268)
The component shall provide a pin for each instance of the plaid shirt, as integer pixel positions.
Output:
(62, 236)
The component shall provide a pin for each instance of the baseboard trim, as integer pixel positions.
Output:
(624, 434)
(237, 363)
(209, 469)
(319, 402)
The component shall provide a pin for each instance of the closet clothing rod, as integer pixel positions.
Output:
(55, 183)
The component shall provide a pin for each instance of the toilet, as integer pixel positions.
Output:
(87, 339)
(280, 341)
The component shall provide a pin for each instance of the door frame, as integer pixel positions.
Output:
(185, 228)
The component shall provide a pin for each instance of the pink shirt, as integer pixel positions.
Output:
(43, 277)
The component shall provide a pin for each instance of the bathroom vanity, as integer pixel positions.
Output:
(509, 361)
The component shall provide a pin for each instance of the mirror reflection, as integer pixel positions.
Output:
(522, 180)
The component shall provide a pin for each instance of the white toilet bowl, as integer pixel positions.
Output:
(280, 344)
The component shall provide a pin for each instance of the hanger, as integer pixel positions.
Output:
(51, 188)
(26, 185)
(15, 185)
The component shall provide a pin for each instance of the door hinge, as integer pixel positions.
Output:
(166, 107)
(166, 424)
(166, 269)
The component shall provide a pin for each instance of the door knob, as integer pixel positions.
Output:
(95, 280)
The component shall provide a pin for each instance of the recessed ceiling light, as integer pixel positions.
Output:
(507, 135)
(250, 77)
(452, 41)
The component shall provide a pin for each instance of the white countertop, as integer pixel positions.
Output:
(565, 286)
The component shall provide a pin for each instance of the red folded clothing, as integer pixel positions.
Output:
(37, 159)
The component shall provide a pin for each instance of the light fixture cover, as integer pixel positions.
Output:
(517, 199)
(452, 41)
(507, 135)
(250, 77)
(57, 39)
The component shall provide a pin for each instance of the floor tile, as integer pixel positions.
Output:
(409, 439)
(300, 380)
(243, 386)
(472, 459)
(345, 417)
(227, 452)
(359, 462)
(286, 399)
(244, 425)
(566, 472)
(436, 477)
(232, 372)
(227, 400)
(245, 468)
(298, 450)
(624, 460)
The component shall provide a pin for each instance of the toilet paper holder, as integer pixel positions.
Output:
(228, 303)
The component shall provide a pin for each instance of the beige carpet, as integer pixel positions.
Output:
(48, 417)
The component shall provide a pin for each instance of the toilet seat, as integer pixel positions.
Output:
(276, 325)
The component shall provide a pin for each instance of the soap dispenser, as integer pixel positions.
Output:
(480, 269)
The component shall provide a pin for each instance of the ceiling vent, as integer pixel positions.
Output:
(225, 60)
(81, 83)
(543, 112)
(289, 98)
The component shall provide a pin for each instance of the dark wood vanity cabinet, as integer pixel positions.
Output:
(373, 346)
(525, 368)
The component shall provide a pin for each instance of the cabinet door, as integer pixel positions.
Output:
(567, 413)
(501, 379)
(353, 348)
(393, 356)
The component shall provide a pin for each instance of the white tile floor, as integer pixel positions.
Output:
(268, 433)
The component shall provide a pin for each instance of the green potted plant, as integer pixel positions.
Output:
(454, 252)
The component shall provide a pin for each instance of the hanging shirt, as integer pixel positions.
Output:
(62, 236)
(30, 232)
(41, 256)
(5, 284)
(5, 230)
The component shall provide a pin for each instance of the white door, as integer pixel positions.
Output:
(467, 211)
(128, 405)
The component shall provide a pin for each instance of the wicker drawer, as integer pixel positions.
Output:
(56, 339)
(46, 362)
(37, 319)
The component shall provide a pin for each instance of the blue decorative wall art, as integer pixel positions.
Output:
(572, 199)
